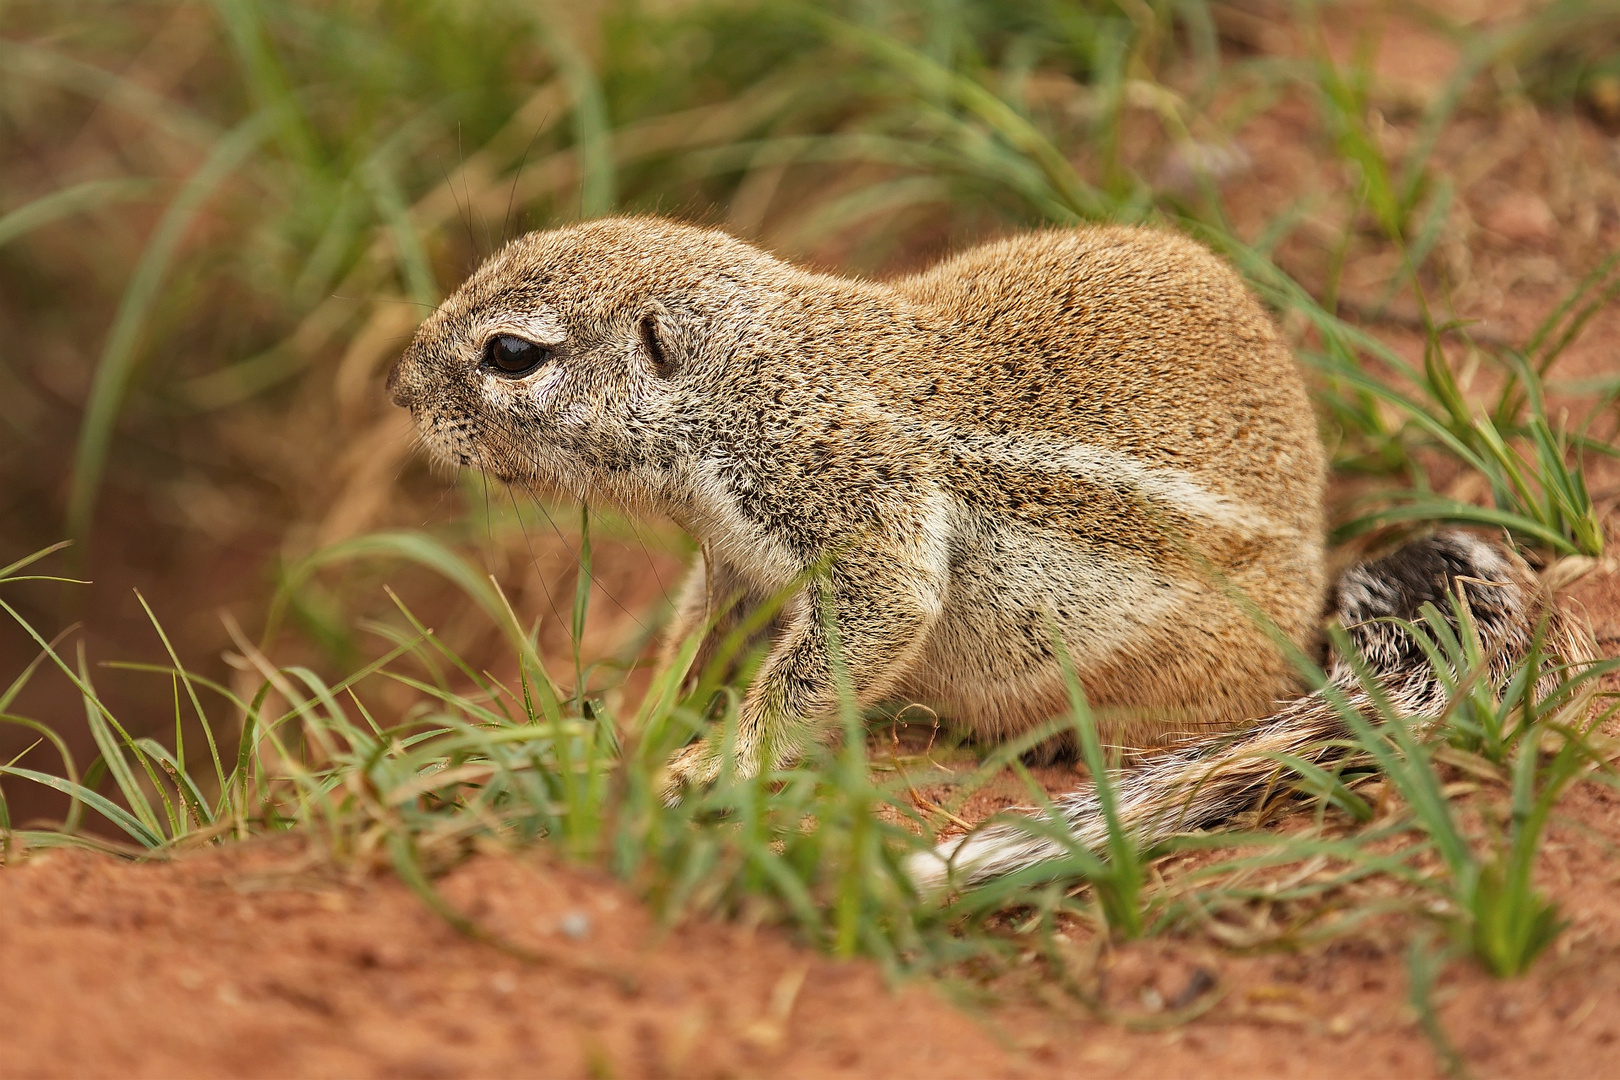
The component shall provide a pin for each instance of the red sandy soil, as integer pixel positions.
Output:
(259, 960)
(239, 962)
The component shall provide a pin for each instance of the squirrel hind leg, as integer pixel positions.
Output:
(1059, 748)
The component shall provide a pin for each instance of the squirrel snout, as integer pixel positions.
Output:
(397, 392)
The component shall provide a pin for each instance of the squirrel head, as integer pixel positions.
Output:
(580, 356)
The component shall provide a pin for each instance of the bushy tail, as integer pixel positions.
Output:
(1207, 782)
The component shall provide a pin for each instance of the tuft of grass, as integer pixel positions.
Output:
(1491, 894)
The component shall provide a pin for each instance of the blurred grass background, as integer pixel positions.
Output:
(219, 222)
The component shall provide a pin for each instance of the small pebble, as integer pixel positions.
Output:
(575, 924)
(1522, 215)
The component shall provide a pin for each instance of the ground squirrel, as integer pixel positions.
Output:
(1085, 441)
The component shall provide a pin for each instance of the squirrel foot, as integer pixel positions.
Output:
(696, 766)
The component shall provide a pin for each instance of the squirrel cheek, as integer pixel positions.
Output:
(543, 392)
(537, 394)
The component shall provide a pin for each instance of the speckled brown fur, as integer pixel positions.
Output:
(1094, 430)
(1087, 442)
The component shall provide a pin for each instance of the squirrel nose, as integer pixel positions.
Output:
(396, 386)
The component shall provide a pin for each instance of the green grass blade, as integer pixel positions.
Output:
(127, 95)
(408, 247)
(582, 600)
(416, 547)
(1543, 332)
(1403, 762)
(267, 80)
(90, 195)
(190, 795)
(101, 725)
(70, 821)
(1074, 194)
(142, 833)
(10, 571)
(191, 691)
(1437, 508)
(1327, 785)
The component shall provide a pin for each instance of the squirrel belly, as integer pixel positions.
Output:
(1088, 442)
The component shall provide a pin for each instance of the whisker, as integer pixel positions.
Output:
(578, 561)
(386, 300)
(489, 525)
(506, 220)
(534, 560)
(464, 213)
(651, 562)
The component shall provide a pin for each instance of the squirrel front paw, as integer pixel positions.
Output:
(699, 765)
(696, 766)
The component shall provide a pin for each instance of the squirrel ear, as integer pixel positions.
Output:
(657, 355)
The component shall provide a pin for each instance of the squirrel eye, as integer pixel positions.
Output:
(512, 355)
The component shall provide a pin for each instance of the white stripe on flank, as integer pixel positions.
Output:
(1173, 488)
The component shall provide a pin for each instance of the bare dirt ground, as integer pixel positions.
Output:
(262, 959)
(246, 962)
